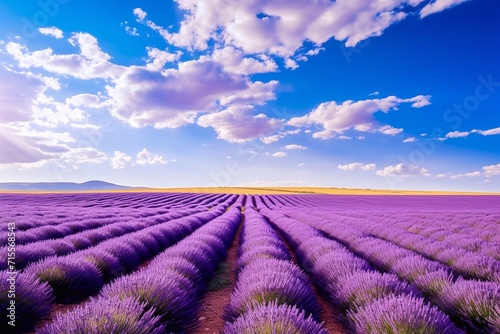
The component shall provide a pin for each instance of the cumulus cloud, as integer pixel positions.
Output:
(295, 147)
(463, 134)
(409, 140)
(487, 171)
(437, 6)
(357, 166)
(120, 160)
(457, 134)
(358, 115)
(147, 158)
(279, 155)
(491, 170)
(490, 132)
(403, 170)
(51, 31)
(174, 97)
(471, 174)
(84, 100)
(281, 27)
(234, 61)
(291, 64)
(389, 130)
(270, 139)
(90, 63)
(16, 106)
(237, 124)
(140, 14)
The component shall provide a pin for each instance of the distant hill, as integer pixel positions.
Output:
(60, 186)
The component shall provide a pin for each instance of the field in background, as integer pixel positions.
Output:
(277, 190)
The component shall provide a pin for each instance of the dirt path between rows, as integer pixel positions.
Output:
(212, 309)
(328, 315)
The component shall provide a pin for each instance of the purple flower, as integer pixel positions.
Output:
(474, 301)
(402, 315)
(266, 281)
(33, 301)
(110, 316)
(363, 287)
(275, 319)
(171, 296)
(71, 279)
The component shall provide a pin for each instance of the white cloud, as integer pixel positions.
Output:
(158, 58)
(84, 100)
(374, 93)
(490, 132)
(409, 140)
(291, 64)
(90, 63)
(302, 164)
(146, 158)
(141, 15)
(389, 130)
(132, 31)
(440, 176)
(471, 174)
(234, 61)
(174, 97)
(491, 170)
(358, 115)
(279, 155)
(457, 134)
(295, 147)
(120, 160)
(280, 27)
(237, 124)
(437, 6)
(15, 106)
(357, 166)
(51, 31)
(403, 170)
(270, 139)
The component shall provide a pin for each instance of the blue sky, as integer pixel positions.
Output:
(365, 94)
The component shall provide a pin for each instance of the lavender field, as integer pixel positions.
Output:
(286, 264)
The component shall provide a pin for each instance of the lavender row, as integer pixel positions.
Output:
(81, 274)
(433, 227)
(272, 294)
(40, 212)
(458, 259)
(373, 302)
(471, 301)
(166, 293)
(29, 253)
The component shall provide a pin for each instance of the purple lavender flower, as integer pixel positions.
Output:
(363, 287)
(107, 263)
(171, 296)
(110, 316)
(71, 279)
(266, 281)
(402, 315)
(33, 301)
(474, 301)
(274, 319)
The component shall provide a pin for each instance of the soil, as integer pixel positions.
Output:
(212, 309)
(329, 314)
